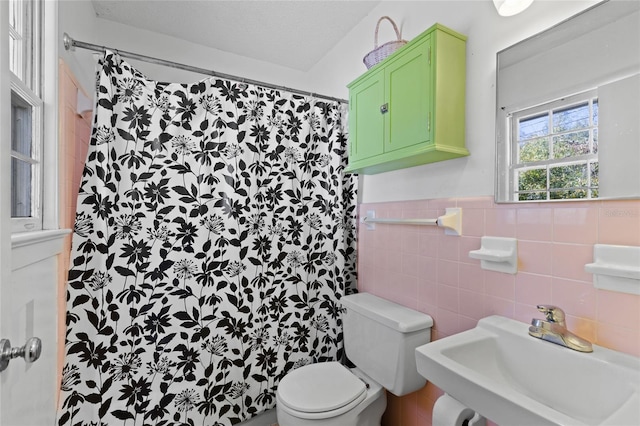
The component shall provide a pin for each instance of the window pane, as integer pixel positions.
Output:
(595, 112)
(571, 144)
(531, 180)
(532, 196)
(534, 150)
(23, 41)
(572, 118)
(533, 127)
(21, 175)
(29, 50)
(595, 182)
(571, 176)
(15, 37)
(12, 13)
(594, 174)
(14, 57)
(21, 125)
(595, 141)
(568, 194)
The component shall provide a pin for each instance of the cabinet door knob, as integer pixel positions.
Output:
(384, 108)
(30, 351)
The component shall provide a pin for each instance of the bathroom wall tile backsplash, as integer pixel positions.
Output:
(424, 269)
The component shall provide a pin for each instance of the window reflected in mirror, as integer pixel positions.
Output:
(555, 148)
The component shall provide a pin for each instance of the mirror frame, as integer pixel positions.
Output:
(561, 36)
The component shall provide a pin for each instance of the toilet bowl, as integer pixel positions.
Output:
(380, 338)
(329, 394)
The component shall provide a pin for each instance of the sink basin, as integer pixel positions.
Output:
(511, 378)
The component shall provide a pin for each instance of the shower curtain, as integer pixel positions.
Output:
(214, 238)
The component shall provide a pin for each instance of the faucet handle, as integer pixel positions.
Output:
(552, 313)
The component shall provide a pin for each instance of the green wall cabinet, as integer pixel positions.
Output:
(410, 108)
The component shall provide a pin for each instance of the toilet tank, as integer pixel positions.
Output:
(380, 338)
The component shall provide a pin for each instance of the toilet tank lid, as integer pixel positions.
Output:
(386, 312)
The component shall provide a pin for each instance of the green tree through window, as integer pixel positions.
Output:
(556, 149)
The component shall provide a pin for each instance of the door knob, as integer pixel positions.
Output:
(30, 351)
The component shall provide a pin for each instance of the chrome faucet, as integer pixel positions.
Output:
(554, 329)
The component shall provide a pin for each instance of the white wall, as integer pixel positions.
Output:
(78, 19)
(487, 34)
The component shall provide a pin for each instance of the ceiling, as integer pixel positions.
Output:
(294, 33)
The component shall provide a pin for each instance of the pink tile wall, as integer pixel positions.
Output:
(424, 269)
(74, 135)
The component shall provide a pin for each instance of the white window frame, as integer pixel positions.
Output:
(30, 94)
(33, 222)
(514, 118)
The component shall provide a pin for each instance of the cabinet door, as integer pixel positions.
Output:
(409, 94)
(366, 122)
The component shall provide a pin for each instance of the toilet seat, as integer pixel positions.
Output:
(321, 390)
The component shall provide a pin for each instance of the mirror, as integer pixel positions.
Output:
(568, 109)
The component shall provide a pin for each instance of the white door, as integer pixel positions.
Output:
(28, 308)
(28, 280)
(28, 391)
(5, 114)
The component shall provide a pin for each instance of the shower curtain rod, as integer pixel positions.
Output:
(70, 43)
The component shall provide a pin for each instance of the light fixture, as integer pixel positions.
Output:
(511, 7)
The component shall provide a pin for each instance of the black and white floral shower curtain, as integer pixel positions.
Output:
(214, 237)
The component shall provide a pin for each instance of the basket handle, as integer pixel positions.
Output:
(395, 28)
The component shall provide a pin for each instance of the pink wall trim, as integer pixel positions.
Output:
(424, 269)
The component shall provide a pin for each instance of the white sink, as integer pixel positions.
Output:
(511, 378)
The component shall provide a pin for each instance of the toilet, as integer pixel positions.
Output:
(380, 338)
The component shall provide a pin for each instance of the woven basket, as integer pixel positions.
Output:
(379, 53)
